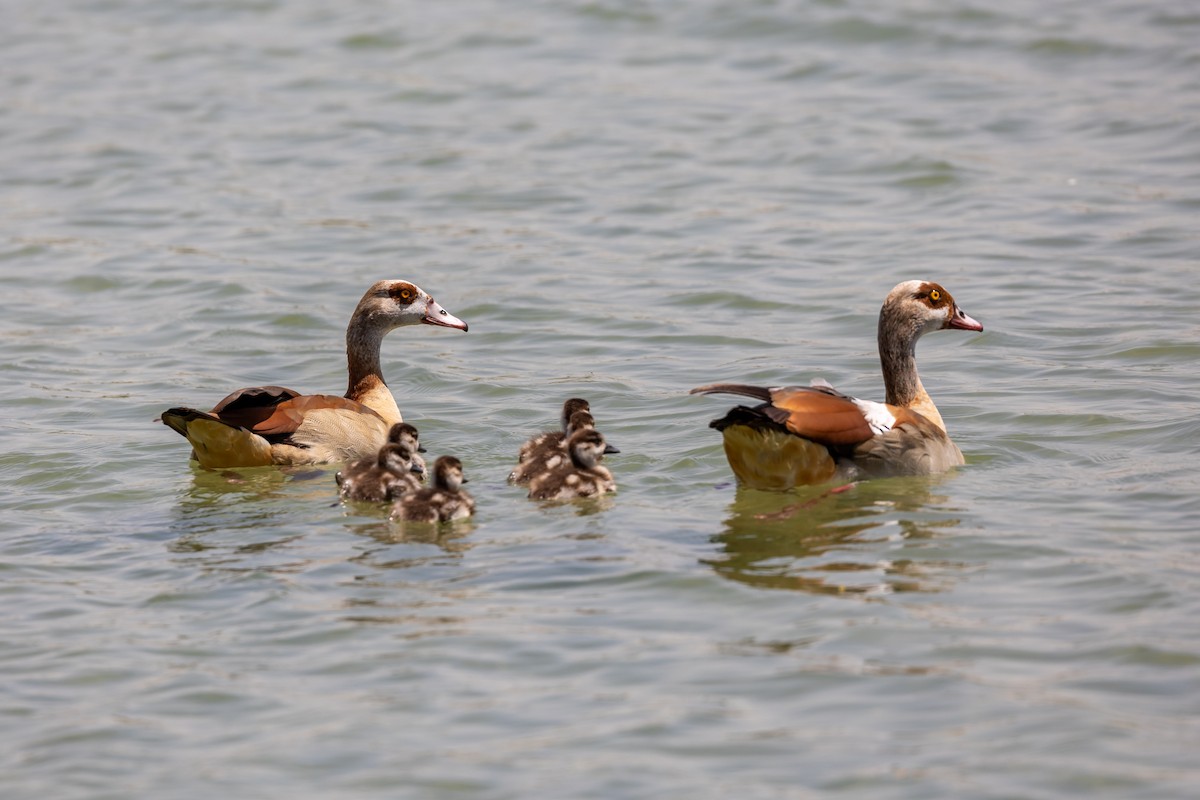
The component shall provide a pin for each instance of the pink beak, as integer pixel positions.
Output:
(963, 322)
(436, 315)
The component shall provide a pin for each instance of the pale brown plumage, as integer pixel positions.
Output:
(408, 435)
(800, 435)
(545, 445)
(549, 449)
(443, 501)
(579, 473)
(267, 425)
(389, 476)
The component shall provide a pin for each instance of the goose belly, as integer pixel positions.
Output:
(218, 446)
(776, 461)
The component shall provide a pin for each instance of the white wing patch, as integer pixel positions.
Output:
(877, 415)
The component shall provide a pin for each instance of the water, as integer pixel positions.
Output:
(624, 200)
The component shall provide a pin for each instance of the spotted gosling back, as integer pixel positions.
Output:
(547, 449)
(443, 501)
(385, 477)
(581, 476)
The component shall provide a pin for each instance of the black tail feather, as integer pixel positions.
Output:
(759, 418)
(757, 392)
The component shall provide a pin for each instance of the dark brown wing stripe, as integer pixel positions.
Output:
(254, 397)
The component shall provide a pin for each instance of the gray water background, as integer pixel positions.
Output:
(625, 200)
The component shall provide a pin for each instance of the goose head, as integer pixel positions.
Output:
(583, 420)
(392, 304)
(396, 458)
(407, 435)
(448, 474)
(571, 407)
(403, 433)
(578, 421)
(587, 447)
(915, 308)
(911, 310)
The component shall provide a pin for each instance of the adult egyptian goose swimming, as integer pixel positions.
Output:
(272, 425)
(582, 475)
(802, 435)
(445, 500)
(390, 475)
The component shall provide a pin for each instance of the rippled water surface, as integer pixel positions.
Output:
(624, 200)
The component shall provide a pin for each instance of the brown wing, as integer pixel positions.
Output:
(246, 408)
(275, 412)
(289, 415)
(819, 414)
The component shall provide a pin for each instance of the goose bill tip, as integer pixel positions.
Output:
(442, 318)
(962, 321)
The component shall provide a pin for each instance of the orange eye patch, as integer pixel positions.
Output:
(405, 293)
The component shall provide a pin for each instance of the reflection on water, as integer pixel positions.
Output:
(230, 520)
(582, 506)
(211, 488)
(836, 541)
(408, 583)
(223, 515)
(449, 536)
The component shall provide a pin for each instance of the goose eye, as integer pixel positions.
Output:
(935, 295)
(403, 294)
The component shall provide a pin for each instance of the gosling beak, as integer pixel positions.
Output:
(608, 448)
(436, 315)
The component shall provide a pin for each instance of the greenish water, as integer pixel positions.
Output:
(624, 200)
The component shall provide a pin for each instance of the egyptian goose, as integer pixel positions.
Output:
(548, 441)
(804, 435)
(549, 449)
(407, 435)
(387, 477)
(272, 425)
(581, 476)
(443, 501)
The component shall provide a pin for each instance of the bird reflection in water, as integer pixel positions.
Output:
(215, 528)
(450, 537)
(857, 539)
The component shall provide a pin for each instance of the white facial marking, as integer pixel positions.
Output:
(938, 319)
